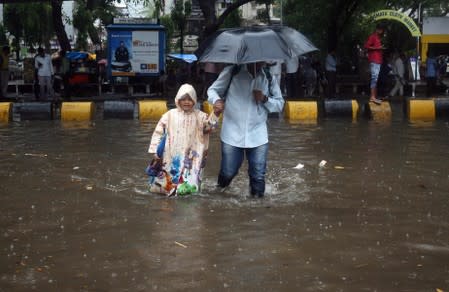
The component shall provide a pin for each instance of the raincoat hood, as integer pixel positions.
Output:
(183, 90)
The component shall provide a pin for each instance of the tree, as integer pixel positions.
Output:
(264, 15)
(212, 22)
(179, 16)
(31, 23)
(88, 13)
(56, 8)
(234, 19)
(341, 22)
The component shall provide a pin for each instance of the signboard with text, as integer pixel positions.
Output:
(135, 50)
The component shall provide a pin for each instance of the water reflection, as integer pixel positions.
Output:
(76, 214)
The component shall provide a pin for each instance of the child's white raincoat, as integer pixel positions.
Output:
(185, 149)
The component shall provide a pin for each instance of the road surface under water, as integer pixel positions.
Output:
(75, 214)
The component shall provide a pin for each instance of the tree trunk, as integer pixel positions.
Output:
(93, 34)
(267, 8)
(64, 42)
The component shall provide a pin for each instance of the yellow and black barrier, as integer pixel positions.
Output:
(33, 111)
(301, 110)
(442, 107)
(379, 112)
(77, 111)
(421, 109)
(113, 109)
(152, 109)
(5, 111)
(341, 108)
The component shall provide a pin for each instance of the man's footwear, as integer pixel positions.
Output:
(376, 101)
(257, 195)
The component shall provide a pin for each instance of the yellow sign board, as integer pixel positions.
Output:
(398, 16)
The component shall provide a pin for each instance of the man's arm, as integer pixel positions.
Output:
(218, 88)
(274, 103)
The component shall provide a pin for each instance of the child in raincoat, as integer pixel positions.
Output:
(179, 146)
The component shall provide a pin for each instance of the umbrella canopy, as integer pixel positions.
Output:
(254, 44)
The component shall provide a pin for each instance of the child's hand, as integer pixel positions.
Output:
(211, 123)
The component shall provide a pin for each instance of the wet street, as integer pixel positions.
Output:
(75, 214)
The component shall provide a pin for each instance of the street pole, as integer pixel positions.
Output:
(281, 12)
(417, 54)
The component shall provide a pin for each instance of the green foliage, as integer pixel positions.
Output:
(3, 39)
(310, 18)
(167, 22)
(81, 19)
(179, 14)
(234, 19)
(264, 14)
(31, 22)
(346, 23)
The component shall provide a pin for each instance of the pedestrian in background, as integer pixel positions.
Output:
(431, 73)
(65, 72)
(375, 50)
(291, 80)
(331, 73)
(310, 76)
(45, 74)
(398, 69)
(4, 70)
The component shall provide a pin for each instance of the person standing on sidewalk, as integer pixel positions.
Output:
(431, 74)
(4, 71)
(65, 74)
(398, 71)
(375, 50)
(45, 74)
(331, 73)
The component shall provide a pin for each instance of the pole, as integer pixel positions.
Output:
(281, 11)
(417, 52)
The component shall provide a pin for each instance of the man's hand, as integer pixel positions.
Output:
(219, 107)
(259, 96)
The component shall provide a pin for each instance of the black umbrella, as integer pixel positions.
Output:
(253, 44)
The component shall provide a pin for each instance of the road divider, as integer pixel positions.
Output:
(301, 110)
(442, 107)
(5, 111)
(294, 111)
(152, 109)
(379, 112)
(23, 111)
(341, 108)
(113, 109)
(421, 109)
(77, 111)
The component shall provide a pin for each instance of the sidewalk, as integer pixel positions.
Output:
(19, 91)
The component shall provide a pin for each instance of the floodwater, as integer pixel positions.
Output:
(75, 214)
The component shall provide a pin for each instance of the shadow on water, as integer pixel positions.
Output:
(75, 212)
